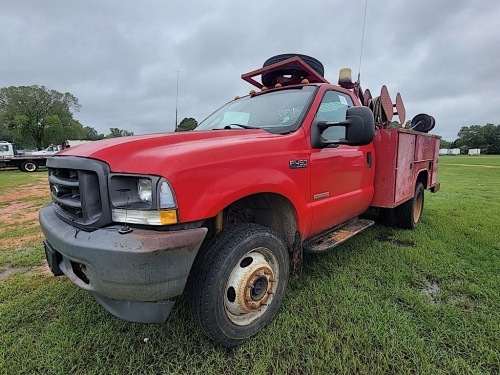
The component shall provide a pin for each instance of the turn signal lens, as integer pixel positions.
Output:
(168, 217)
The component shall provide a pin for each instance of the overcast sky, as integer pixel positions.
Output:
(120, 58)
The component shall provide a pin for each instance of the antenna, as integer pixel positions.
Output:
(176, 101)
(125, 228)
(362, 40)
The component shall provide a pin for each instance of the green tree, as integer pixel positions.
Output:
(486, 138)
(57, 133)
(491, 134)
(444, 144)
(187, 124)
(91, 134)
(116, 133)
(29, 111)
(5, 132)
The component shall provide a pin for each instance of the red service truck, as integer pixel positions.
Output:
(224, 213)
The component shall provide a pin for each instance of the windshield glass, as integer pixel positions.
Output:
(275, 111)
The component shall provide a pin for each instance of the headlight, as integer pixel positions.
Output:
(144, 189)
(142, 200)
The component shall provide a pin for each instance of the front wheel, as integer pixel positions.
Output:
(409, 214)
(238, 284)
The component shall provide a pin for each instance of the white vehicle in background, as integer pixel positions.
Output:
(73, 143)
(30, 162)
(49, 151)
(10, 157)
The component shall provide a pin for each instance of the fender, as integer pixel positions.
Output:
(208, 202)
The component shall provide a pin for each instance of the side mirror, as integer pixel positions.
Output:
(359, 129)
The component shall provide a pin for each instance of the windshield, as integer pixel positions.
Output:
(275, 111)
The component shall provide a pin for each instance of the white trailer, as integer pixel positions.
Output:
(443, 151)
(454, 151)
(475, 151)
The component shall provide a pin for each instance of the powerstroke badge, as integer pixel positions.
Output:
(295, 164)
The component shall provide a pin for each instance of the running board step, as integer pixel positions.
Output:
(335, 236)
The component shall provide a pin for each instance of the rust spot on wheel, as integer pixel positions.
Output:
(417, 207)
(258, 286)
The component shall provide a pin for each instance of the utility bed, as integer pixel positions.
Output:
(401, 155)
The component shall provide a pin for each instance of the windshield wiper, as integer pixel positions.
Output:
(241, 126)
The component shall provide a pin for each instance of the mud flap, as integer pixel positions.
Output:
(53, 258)
(296, 256)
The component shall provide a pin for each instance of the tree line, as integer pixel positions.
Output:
(486, 138)
(34, 117)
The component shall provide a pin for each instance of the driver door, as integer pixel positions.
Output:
(341, 175)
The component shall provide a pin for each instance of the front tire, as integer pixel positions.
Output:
(238, 284)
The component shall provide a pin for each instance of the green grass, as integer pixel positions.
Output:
(388, 301)
(487, 160)
(10, 178)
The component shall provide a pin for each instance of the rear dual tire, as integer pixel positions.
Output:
(409, 214)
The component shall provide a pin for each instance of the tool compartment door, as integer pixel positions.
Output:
(401, 155)
(394, 180)
(405, 184)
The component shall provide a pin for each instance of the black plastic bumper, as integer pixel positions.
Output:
(134, 275)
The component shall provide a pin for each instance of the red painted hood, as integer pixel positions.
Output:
(164, 154)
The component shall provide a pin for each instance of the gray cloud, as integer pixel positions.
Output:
(120, 59)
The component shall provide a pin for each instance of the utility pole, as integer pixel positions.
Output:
(176, 101)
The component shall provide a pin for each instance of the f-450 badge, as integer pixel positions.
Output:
(295, 164)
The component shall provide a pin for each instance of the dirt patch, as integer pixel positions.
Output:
(16, 210)
(473, 165)
(8, 271)
(462, 302)
(10, 243)
(431, 290)
(27, 191)
(395, 241)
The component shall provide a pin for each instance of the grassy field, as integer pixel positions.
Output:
(388, 301)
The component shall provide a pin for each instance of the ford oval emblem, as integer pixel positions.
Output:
(55, 190)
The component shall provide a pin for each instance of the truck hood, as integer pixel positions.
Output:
(164, 154)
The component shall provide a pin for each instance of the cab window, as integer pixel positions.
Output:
(333, 108)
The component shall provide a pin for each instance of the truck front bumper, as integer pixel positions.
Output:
(133, 275)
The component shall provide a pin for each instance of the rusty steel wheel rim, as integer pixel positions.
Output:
(251, 286)
(417, 207)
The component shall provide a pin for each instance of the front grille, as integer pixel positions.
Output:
(65, 185)
(78, 188)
